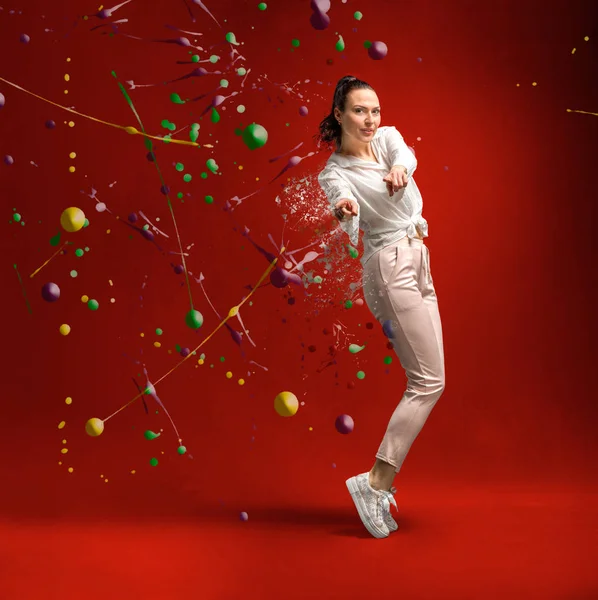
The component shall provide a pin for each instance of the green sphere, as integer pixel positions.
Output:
(255, 136)
(93, 304)
(194, 319)
(181, 449)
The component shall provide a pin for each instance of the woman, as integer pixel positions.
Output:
(369, 183)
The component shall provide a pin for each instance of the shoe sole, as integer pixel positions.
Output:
(360, 505)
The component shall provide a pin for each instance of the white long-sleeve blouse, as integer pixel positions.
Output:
(384, 219)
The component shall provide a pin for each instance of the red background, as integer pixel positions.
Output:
(501, 478)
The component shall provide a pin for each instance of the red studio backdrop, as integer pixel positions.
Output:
(498, 102)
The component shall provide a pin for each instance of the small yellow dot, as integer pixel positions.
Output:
(229, 375)
(157, 344)
(311, 428)
(106, 480)
(71, 169)
(534, 83)
(84, 298)
(67, 77)
(142, 334)
(61, 424)
(241, 382)
(240, 167)
(586, 39)
(257, 178)
(68, 400)
(71, 123)
(200, 361)
(133, 472)
(64, 441)
(60, 462)
(68, 60)
(64, 450)
(71, 469)
(113, 300)
(73, 155)
(107, 230)
(66, 91)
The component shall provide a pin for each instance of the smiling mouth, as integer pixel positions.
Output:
(367, 130)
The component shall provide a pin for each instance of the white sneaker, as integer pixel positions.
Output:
(388, 520)
(372, 505)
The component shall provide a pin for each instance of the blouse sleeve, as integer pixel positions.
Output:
(336, 188)
(398, 151)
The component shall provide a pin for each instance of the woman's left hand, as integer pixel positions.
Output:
(396, 179)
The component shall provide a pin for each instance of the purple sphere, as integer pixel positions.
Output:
(165, 190)
(303, 111)
(378, 50)
(25, 39)
(132, 218)
(150, 156)
(50, 124)
(9, 160)
(278, 277)
(244, 516)
(50, 292)
(147, 234)
(185, 352)
(294, 161)
(344, 424)
(319, 20)
(2, 100)
(320, 5)
(179, 269)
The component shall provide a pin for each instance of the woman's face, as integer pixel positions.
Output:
(361, 118)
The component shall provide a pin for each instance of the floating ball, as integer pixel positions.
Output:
(303, 111)
(179, 269)
(2, 100)
(243, 516)
(25, 39)
(255, 136)
(181, 450)
(65, 329)
(319, 20)
(50, 124)
(50, 292)
(194, 319)
(94, 427)
(344, 424)
(72, 219)
(286, 404)
(378, 50)
(9, 160)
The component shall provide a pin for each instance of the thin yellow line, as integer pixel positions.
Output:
(231, 313)
(129, 129)
(51, 257)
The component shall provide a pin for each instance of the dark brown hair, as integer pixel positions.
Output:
(330, 128)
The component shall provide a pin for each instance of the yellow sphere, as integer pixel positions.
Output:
(286, 404)
(65, 329)
(94, 427)
(72, 219)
